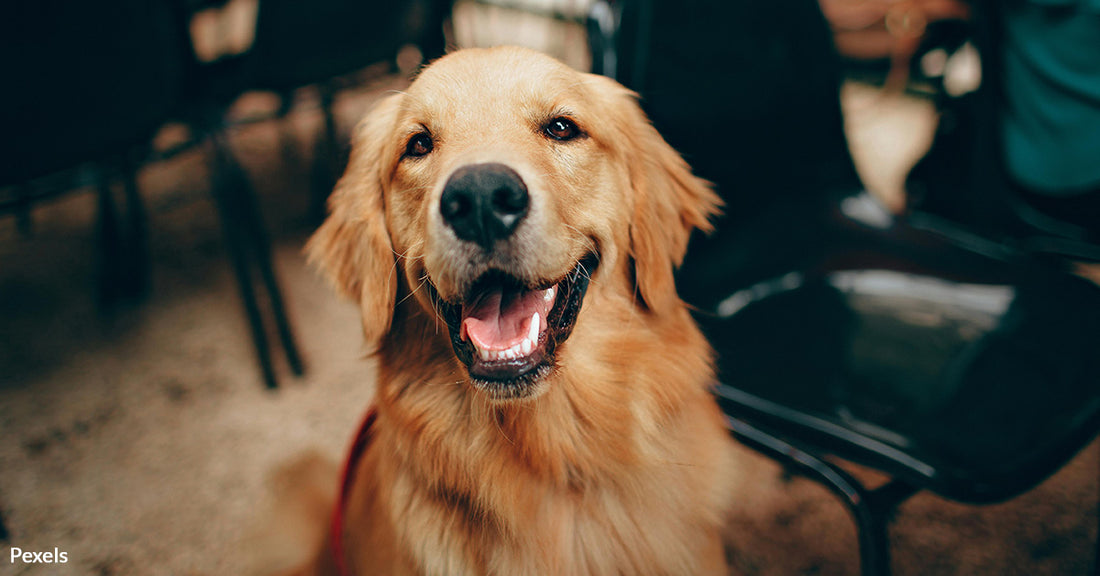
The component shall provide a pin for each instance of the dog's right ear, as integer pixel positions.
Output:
(352, 247)
(669, 201)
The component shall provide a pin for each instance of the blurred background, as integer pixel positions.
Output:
(164, 347)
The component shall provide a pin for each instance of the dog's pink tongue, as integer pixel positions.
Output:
(501, 318)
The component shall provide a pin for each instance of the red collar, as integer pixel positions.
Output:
(347, 477)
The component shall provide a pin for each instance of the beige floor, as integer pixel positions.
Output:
(139, 441)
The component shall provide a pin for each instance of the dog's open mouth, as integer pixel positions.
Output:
(507, 332)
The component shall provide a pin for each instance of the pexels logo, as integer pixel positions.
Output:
(55, 557)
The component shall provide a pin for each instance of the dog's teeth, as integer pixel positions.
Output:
(521, 349)
(533, 331)
(548, 295)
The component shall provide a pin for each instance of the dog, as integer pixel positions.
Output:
(509, 228)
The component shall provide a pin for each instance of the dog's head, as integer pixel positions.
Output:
(499, 189)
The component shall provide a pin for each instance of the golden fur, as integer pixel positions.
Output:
(618, 462)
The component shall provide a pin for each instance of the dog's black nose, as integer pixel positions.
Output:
(484, 203)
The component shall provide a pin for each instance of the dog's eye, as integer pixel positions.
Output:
(419, 145)
(562, 129)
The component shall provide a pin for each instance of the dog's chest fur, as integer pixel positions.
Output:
(498, 516)
(587, 480)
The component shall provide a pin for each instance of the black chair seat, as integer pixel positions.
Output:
(955, 365)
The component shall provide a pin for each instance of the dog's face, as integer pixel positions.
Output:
(504, 186)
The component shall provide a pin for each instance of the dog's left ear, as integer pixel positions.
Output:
(669, 202)
(353, 246)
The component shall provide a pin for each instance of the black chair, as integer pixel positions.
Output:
(952, 363)
(94, 85)
(75, 112)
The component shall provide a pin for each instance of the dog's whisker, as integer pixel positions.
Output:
(413, 291)
(439, 316)
(584, 271)
(589, 243)
(435, 305)
(406, 256)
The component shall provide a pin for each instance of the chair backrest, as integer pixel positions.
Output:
(84, 79)
(749, 93)
(300, 43)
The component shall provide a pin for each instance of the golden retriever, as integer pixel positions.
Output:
(509, 227)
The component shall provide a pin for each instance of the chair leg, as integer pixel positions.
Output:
(1096, 553)
(23, 221)
(255, 231)
(881, 504)
(247, 241)
(136, 273)
(108, 240)
(123, 245)
(871, 509)
(228, 186)
(282, 325)
(288, 147)
(325, 157)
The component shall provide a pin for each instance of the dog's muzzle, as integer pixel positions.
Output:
(504, 329)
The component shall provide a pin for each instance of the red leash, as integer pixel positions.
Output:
(358, 447)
